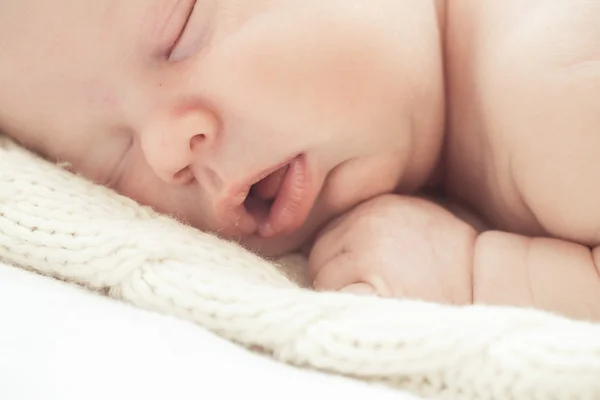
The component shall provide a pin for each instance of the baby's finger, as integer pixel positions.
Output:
(329, 245)
(363, 289)
(338, 273)
(344, 273)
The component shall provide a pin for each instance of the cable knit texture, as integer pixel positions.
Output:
(63, 226)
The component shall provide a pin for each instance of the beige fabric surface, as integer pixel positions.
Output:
(60, 225)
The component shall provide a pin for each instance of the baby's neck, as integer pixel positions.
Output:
(441, 11)
(432, 181)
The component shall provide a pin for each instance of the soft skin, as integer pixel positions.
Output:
(520, 165)
(305, 124)
(353, 87)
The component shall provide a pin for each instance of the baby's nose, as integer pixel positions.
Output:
(175, 145)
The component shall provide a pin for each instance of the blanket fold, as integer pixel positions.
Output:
(60, 225)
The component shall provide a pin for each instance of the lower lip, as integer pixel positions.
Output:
(293, 203)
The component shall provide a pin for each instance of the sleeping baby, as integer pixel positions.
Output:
(445, 151)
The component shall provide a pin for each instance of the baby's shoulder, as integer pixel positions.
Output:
(530, 102)
(556, 31)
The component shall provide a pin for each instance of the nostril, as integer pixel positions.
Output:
(197, 140)
(184, 176)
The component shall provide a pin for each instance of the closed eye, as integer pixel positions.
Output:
(188, 15)
(198, 32)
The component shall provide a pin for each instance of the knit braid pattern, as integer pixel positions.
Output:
(60, 225)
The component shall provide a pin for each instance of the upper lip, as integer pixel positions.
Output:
(236, 220)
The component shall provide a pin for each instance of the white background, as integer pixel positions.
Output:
(61, 342)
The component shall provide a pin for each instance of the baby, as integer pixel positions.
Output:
(437, 150)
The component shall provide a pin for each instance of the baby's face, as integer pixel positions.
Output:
(255, 119)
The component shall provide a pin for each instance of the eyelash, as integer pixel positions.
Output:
(182, 31)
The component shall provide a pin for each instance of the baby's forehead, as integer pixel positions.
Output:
(84, 24)
(65, 60)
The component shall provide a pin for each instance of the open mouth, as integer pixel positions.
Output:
(263, 193)
(280, 202)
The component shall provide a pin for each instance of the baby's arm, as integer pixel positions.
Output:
(409, 247)
(396, 246)
(548, 274)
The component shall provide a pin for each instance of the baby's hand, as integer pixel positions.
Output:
(395, 246)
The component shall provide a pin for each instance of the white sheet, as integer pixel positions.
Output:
(61, 342)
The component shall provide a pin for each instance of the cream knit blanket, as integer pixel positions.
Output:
(60, 225)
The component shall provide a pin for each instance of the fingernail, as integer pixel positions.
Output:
(360, 289)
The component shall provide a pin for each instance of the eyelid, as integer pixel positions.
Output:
(183, 27)
(198, 33)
